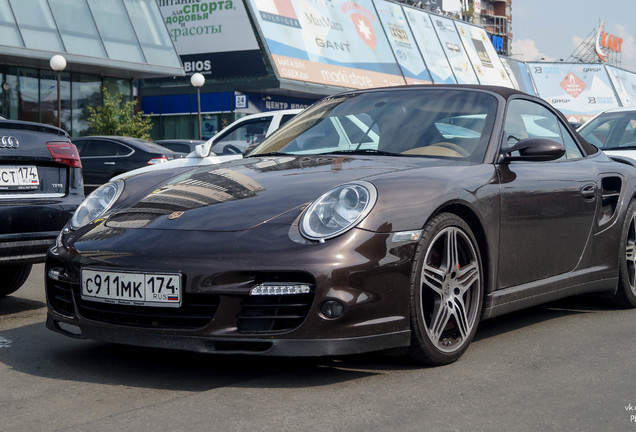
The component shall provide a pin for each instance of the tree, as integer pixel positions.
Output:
(114, 117)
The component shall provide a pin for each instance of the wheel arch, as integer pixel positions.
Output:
(469, 216)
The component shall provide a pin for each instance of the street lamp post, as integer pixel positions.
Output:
(197, 80)
(58, 64)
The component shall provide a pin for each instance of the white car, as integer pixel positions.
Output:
(230, 143)
(247, 131)
(613, 131)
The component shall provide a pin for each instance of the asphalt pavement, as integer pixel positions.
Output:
(567, 366)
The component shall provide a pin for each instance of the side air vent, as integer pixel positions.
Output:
(611, 191)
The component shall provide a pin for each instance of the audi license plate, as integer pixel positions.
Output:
(129, 288)
(19, 177)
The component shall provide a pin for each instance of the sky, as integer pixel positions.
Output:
(554, 29)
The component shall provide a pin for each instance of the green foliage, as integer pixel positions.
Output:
(116, 118)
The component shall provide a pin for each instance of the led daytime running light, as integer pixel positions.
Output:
(280, 289)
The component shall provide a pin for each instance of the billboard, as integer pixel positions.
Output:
(402, 42)
(213, 38)
(579, 90)
(482, 54)
(519, 75)
(624, 84)
(454, 49)
(429, 45)
(337, 43)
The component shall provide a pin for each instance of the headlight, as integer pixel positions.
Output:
(96, 203)
(338, 210)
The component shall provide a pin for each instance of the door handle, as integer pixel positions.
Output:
(109, 163)
(588, 192)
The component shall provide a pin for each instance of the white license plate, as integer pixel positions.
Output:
(129, 288)
(19, 177)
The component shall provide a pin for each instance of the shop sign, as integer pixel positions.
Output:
(607, 43)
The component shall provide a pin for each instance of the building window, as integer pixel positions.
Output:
(8, 29)
(77, 27)
(116, 30)
(157, 46)
(37, 25)
(48, 98)
(27, 94)
(87, 91)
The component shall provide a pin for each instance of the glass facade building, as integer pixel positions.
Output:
(105, 43)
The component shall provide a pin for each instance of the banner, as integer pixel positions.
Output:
(519, 75)
(429, 45)
(579, 90)
(337, 43)
(624, 84)
(213, 38)
(207, 27)
(402, 42)
(454, 49)
(482, 54)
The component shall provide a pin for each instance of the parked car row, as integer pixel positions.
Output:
(45, 175)
(107, 157)
(376, 220)
(230, 143)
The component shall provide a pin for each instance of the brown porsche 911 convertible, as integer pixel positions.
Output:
(384, 219)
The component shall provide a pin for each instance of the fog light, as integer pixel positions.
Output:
(54, 273)
(332, 309)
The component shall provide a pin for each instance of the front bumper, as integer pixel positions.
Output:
(366, 272)
(318, 347)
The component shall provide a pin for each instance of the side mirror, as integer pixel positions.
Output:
(202, 150)
(534, 149)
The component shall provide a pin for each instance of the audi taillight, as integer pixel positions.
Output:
(65, 153)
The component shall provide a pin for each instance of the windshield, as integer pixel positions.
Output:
(446, 123)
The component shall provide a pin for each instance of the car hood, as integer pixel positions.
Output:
(191, 160)
(245, 193)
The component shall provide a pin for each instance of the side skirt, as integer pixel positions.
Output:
(524, 296)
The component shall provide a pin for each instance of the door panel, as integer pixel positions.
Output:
(546, 219)
(547, 208)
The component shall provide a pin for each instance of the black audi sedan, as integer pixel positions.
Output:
(384, 219)
(40, 188)
(104, 157)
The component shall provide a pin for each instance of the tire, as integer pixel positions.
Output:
(625, 296)
(447, 286)
(13, 277)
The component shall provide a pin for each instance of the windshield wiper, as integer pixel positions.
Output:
(271, 154)
(363, 151)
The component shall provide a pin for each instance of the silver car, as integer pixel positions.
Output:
(613, 131)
